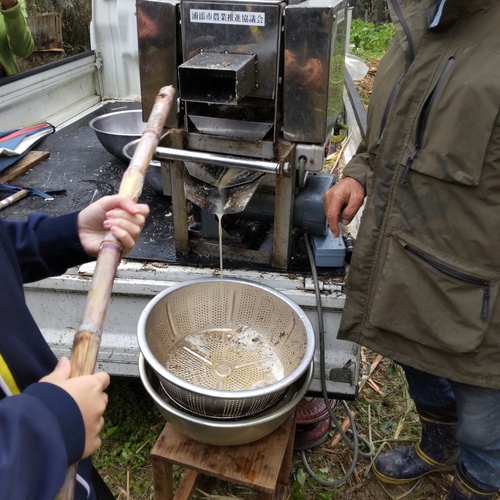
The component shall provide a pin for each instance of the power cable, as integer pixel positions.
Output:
(354, 444)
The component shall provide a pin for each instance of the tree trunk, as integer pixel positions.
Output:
(374, 11)
(380, 12)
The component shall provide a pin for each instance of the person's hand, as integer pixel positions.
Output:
(118, 214)
(342, 201)
(8, 4)
(88, 393)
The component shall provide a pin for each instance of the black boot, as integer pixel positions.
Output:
(436, 452)
(463, 488)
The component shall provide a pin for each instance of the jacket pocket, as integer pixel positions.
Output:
(454, 128)
(432, 299)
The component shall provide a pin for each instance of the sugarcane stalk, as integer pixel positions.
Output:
(87, 339)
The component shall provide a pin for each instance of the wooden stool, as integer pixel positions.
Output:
(263, 465)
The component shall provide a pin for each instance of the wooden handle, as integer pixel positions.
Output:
(9, 200)
(87, 339)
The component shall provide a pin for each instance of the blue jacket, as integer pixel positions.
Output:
(41, 427)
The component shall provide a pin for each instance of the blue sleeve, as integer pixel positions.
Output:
(38, 443)
(46, 246)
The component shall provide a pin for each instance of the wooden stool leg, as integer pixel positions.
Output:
(163, 479)
(187, 485)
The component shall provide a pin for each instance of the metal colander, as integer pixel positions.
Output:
(225, 348)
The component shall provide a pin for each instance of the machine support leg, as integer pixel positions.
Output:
(283, 213)
(179, 206)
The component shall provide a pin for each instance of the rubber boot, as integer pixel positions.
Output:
(436, 452)
(463, 489)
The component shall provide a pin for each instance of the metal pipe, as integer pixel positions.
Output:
(268, 167)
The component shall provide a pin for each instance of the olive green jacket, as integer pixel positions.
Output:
(15, 37)
(423, 283)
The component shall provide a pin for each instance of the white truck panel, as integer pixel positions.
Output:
(54, 95)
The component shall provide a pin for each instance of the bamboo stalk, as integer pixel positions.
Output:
(87, 339)
(9, 200)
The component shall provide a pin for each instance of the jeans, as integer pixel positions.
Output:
(478, 422)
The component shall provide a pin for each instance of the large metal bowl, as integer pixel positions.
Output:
(224, 432)
(226, 348)
(115, 130)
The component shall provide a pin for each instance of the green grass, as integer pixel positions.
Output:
(132, 425)
(370, 42)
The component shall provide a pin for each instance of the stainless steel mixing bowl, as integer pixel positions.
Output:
(225, 348)
(115, 130)
(224, 432)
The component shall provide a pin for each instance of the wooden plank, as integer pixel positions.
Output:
(255, 465)
(28, 161)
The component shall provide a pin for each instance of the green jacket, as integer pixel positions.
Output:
(15, 37)
(423, 282)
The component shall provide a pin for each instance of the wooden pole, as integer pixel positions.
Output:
(87, 339)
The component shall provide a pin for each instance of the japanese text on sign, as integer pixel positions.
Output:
(228, 17)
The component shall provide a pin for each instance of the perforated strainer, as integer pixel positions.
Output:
(225, 348)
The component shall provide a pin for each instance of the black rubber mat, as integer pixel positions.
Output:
(80, 165)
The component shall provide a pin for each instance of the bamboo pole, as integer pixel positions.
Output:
(87, 339)
(9, 200)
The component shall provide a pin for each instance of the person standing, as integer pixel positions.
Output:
(422, 287)
(15, 36)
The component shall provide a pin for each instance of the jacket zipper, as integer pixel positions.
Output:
(458, 275)
(388, 106)
(406, 29)
(411, 49)
(424, 116)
